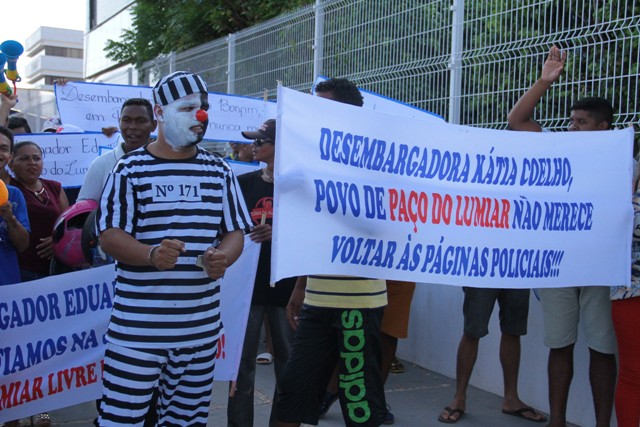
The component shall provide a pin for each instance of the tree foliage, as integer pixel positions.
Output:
(163, 26)
(504, 59)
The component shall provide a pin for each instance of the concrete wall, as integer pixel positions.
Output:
(434, 333)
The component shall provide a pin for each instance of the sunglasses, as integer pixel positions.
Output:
(259, 142)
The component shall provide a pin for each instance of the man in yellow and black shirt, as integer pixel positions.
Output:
(339, 322)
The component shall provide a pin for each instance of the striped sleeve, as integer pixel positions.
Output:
(235, 212)
(117, 205)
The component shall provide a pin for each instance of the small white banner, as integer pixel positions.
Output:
(92, 106)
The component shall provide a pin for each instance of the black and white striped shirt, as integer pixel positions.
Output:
(192, 200)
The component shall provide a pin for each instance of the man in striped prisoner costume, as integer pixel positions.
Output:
(163, 206)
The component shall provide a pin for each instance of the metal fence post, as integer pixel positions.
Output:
(172, 62)
(231, 63)
(455, 64)
(318, 38)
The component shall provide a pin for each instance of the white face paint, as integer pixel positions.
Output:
(181, 127)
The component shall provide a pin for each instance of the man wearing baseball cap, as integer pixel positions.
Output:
(266, 131)
(267, 302)
(162, 208)
(51, 124)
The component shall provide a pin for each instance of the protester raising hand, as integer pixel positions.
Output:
(554, 65)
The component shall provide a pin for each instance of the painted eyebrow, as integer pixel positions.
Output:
(189, 102)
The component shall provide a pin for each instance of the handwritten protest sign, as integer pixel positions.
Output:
(67, 156)
(52, 335)
(92, 106)
(374, 195)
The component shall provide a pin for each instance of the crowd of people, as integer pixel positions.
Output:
(160, 351)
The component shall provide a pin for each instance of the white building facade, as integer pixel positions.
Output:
(53, 53)
(50, 54)
(106, 20)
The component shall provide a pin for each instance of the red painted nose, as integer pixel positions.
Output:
(202, 116)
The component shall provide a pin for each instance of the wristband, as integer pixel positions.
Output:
(151, 252)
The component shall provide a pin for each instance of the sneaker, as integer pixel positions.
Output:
(326, 403)
(388, 417)
(42, 420)
(396, 366)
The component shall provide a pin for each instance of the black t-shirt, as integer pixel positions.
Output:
(258, 195)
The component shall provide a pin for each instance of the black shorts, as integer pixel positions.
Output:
(478, 306)
(326, 336)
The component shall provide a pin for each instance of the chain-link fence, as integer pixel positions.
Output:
(467, 61)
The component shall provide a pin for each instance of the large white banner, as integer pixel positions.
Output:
(92, 106)
(52, 335)
(66, 156)
(368, 194)
(52, 341)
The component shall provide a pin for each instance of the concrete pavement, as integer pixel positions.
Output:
(416, 398)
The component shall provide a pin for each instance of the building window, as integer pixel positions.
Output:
(50, 80)
(93, 14)
(66, 52)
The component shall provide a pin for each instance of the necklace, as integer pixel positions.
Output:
(41, 195)
(35, 192)
(268, 177)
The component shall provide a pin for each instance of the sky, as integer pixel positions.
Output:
(23, 17)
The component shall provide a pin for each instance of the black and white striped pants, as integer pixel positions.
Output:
(183, 377)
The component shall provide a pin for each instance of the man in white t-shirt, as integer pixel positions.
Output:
(136, 124)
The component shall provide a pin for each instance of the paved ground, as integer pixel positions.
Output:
(416, 397)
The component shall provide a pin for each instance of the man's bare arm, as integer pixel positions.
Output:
(126, 249)
(218, 259)
(295, 302)
(18, 235)
(520, 116)
(7, 102)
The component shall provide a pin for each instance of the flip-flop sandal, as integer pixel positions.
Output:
(264, 359)
(520, 413)
(451, 412)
